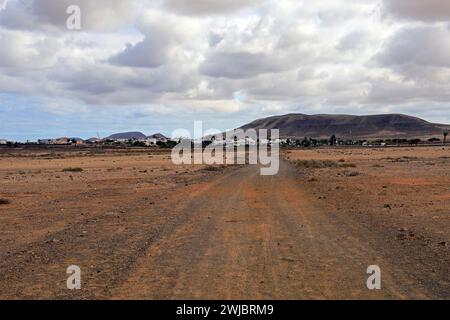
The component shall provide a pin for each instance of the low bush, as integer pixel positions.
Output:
(214, 168)
(72, 170)
(4, 201)
(347, 165)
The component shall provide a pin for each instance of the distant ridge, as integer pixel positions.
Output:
(127, 136)
(157, 136)
(134, 136)
(349, 126)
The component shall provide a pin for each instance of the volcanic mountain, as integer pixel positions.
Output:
(349, 126)
(127, 136)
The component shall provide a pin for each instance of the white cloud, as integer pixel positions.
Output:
(25, 51)
(199, 55)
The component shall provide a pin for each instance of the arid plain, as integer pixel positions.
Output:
(140, 227)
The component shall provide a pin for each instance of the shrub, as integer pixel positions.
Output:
(72, 170)
(347, 165)
(4, 201)
(213, 168)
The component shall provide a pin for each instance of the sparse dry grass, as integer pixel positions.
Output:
(316, 164)
(320, 164)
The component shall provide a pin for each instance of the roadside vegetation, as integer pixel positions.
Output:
(321, 164)
(4, 201)
(72, 170)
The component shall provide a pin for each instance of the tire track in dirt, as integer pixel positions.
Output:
(254, 237)
(237, 236)
(341, 250)
(105, 245)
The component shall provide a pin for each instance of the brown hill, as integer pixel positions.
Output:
(349, 126)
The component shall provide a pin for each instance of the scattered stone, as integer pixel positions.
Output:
(401, 236)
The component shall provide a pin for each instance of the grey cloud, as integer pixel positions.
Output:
(424, 45)
(202, 7)
(160, 38)
(152, 52)
(47, 14)
(425, 10)
(241, 65)
(214, 39)
(384, 91)
(352, 41)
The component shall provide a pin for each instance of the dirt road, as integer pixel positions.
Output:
(258, 237)
(237, 235)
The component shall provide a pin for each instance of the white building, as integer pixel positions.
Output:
(3, 141)
(149, 142)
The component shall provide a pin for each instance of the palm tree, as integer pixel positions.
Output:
(445, 137)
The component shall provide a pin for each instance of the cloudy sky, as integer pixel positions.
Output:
(158, 65)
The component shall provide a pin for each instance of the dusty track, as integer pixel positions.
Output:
(262, 238)
(235, 235)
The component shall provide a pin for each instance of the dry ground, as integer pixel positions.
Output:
(142, 228)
